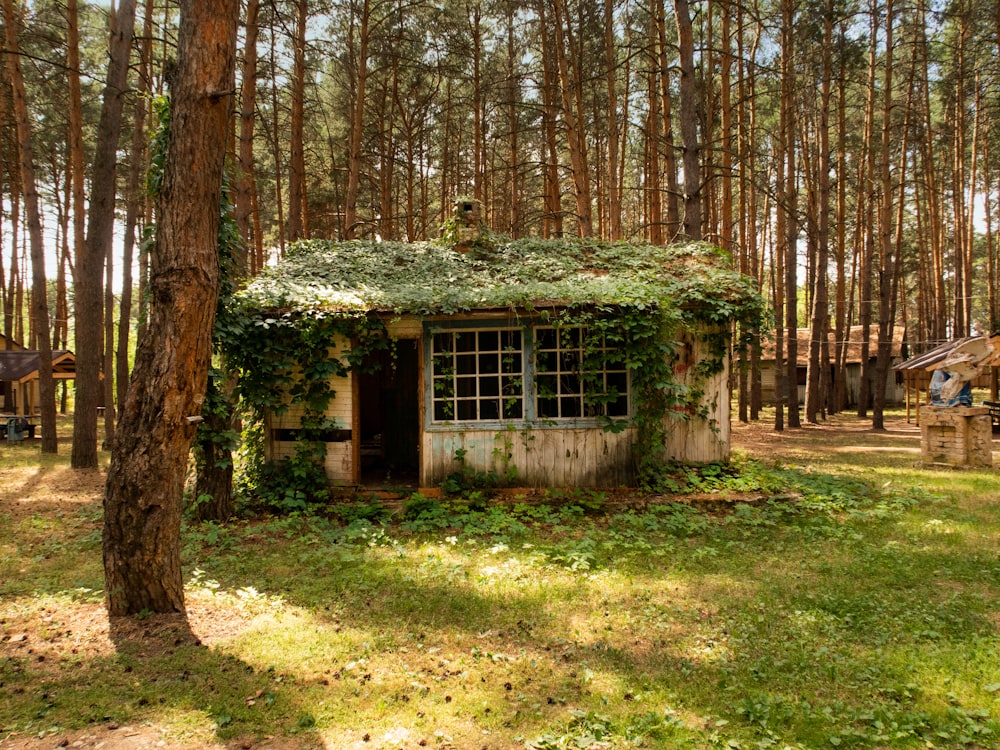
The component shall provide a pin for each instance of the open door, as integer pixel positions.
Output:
(390, 417)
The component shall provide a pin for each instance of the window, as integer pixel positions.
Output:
(478, 375)
(577, 375)
(541, 374)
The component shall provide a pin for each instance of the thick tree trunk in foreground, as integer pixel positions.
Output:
(142, 503)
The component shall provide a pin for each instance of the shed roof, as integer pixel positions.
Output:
(855, 337)
(22, 364)
(6, 343)
(433, 278)
(929, 360)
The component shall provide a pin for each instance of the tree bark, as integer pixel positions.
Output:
(572, 106)
(97, 248)
(136, 204)
(296, 149)
(689, 123)
(39, 287)
(358, 77)
(252, 260)
(149, 457)
(817, 395)
(789, 241)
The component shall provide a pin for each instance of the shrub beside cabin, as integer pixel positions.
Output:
(550, 363)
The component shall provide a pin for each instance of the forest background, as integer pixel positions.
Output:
(847, 154)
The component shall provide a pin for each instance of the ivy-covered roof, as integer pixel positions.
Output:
(433, 278)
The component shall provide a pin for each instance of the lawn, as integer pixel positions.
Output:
(825, 592)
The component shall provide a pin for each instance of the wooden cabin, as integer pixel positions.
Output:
(19, 376)
(482, 369)
(895, 389)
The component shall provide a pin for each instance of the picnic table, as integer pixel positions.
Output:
(994, 407)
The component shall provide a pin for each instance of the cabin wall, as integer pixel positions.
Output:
(695, 440)
(339, 461)
(895, 393)
(539, 457)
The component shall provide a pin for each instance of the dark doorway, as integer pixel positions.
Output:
(390, 417)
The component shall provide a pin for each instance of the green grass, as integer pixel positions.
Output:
(857, 608)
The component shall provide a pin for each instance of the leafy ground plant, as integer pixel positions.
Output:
(827, 593)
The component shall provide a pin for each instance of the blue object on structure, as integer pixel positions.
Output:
(944, 396)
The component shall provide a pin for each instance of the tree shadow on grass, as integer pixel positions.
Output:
(168, 668)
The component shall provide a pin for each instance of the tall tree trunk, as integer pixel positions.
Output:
(358, 77)
(889, 266)
(865, 237)
(673, 214)
(135, 205)
(726, 225)
(246, 184)
(841, 331)
(614, 202)
(819, 356)
(296, 156)
(689, 123)
(145, 483)
(572, 104)
(789, 242)
(552, 224)
(97, 248)
(39, 287)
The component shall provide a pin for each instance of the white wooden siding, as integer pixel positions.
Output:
(339, 456)
(695, 440)
(543, 457)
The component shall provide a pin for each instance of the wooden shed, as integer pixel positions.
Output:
(895, 390)
(19, 374)
(499, 359)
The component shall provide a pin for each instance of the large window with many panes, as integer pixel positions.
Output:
(577, 375)
(542, 373)
(478, 375)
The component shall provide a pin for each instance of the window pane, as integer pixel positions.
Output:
(489, 341)
(545, 362)
(570, 383)
(465, 387)
(513, 386)
(545, 338)
(489, 363)
(547, 407)
(546, 385)
(619, 407)
(444, 410)
(465, 364)
(570, 406)
(443, 342)
(467, 410)
(513, 408)
(465, 341)
(510, 340)
(511, 362)
(489, 387)
(569, 337)
(489, 409)
(569, 361)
